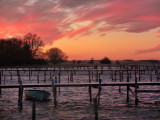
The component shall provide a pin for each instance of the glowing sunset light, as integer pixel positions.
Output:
(118, 29)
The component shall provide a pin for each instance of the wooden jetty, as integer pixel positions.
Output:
(90, 85)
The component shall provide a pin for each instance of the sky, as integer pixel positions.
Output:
(85, 29)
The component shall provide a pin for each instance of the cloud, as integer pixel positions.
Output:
(135, 16)
(55, 19)
(150, 50)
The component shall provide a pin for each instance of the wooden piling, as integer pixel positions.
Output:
(59, 78)
(90, 93)
(0, 82)
(95, 109)
(45, 76)
(89, 89)
(136, 98)
(33, 110)
(20, 92)
(54, 92)
(127, 88)
(29, 74)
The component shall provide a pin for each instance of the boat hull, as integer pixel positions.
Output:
(39, 95)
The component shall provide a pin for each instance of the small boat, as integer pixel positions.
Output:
(35, 94)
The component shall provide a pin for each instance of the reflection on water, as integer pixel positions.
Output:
(73, 103)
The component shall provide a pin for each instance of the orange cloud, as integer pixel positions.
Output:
(154, 49)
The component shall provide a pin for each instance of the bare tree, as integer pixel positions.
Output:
(34, 42)
(55, 55)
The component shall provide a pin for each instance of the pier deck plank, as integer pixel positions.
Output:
(80, 84)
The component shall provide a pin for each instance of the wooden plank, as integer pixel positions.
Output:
(80, 84)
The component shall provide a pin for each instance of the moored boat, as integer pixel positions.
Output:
(35, 94)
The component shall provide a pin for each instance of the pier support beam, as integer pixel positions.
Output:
(54, 92)
(127, 89)
(0, 82)
(90, 93)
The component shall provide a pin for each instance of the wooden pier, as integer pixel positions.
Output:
(90, 85)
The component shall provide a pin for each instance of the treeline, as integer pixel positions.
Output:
(28, 51)
(18, 51)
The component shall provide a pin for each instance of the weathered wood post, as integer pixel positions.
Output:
(151, 75)
(136, 98)
(0, 82)
(127, 88)
(33, 110)
(95, 109)
(45, 75)
(29, 73)
(120, 79)
(115, 74)
(99, 91)
(139, 72)
(71, 76)
(20, 91)
(90, 89)
(59, 78)
(54, 91)
(68, 77)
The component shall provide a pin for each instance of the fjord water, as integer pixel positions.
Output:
(73, 103)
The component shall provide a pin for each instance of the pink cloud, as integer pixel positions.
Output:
(46, 17)
(154, 49)
(79, 31)
(135, 16)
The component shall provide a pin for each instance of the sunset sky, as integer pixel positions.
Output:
(85, 29)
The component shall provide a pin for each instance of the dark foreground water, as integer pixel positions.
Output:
(73, 103)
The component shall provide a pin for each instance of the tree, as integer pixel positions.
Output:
(105, 60)
(91, 60)
(14, 51)
(55, 55)
(35, 43)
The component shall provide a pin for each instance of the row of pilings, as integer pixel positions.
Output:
(116, 73)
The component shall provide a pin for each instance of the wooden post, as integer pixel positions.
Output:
(127, 88)
(29, 74)
(90, 93)
(0, 82)
(151, 75)
(89, 89)
(96, 75)
(20, 91)
(92, 75)
(68, 78)
(45, 76)
(71, 76)
(95, 109)
(54, 92)
(89, 76)
(33, 110)
(4, 79)
(59, 78)
(136, 98)
(139, 72)
(115, 74)
(120, 79)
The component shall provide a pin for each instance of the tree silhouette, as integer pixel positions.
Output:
(14, 51)
(55, 55)
(105, 60)
(34, 42)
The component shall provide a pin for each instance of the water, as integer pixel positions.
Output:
(73, 103)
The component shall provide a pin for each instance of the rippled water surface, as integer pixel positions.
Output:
(73, 103)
